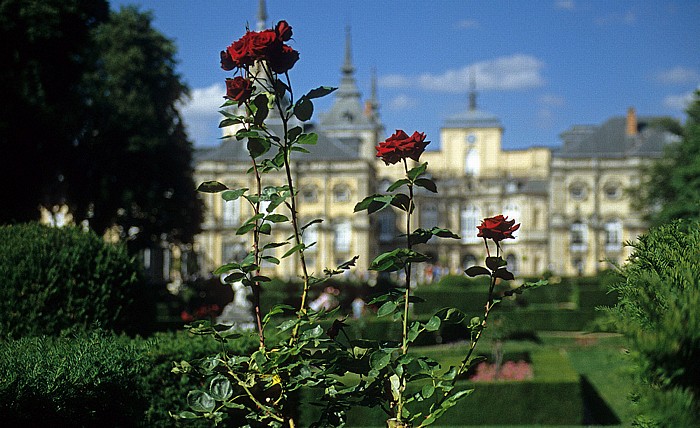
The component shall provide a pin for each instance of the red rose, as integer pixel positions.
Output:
(240, 51)
(400, 146)
(186, 316)
(497, 228)
(283, 30)
(238, 89)
(226, 62)
(261, 43)
(283, 59)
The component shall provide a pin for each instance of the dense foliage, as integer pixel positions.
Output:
(672, 190)
(89, 119)
(55, 279)
(90, 379)
(658, 310)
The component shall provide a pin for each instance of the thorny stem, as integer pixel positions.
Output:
(292, 206)
(407, 295)
(260, 405)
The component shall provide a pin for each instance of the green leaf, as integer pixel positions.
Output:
(476, 271)
(258, 146)
(312, 222)
(311, 138)
(234, 277)
(494, 263)
(211, 187)
(299, 149)
(402, 202)
(245, 229)
(304, 109)
(313, 333)
(419, 236)
(274, 245)
(386, 309)
(293, 250)
(262, 109)
(200, 401)
(433, 324)
(426, 184)
(504, 274)
(443, 233)
(379, 359)
(186, 415)
(293, 133)
(220, 388)
(427, 391)
(232, 195)
(319, 92)
(417, 171)
(276, 218)
(271, 259)
(397, 184)
(265, 229)
(366, 202)
(413, 331)
(229, 122)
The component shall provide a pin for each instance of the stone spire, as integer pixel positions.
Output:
(472, 93)
(372, 104)
(262, 16)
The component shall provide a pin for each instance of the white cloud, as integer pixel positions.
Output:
(552, 100)
(679, 102)
(402, 102)
(201, 112)
(394, 81)
(506, 73)
(468, 24)
(564, 4)
(678, 74)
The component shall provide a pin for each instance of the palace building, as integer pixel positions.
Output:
(572, 201)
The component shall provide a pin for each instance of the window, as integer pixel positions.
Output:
(512, 211)
(579, 236)
(613, 235)
(428, 215)
(612, 190)
(231, 212)
(471, 162)
(341, 193)
(233, 252)
(470, 218)
(386, 223)
(512, 266)
(342, 233)
(468, 261)
(309, 194)
(578, 191)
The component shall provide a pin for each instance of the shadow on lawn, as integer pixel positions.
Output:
(595, 410)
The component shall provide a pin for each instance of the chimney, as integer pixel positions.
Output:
(631, 129)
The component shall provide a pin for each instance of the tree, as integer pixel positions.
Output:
(672, 189)
(134, 170)
(88, 119)
(46, 49)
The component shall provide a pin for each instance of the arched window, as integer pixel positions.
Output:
(309, 194)
(472, 164)
(342, 234)
(579, 236)
(470, 218)
(613, 235)
(512, 266)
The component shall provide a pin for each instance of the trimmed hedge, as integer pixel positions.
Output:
(97, 378)
(58, 278)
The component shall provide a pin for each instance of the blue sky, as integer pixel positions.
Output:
(541, 66)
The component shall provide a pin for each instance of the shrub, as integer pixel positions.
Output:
(81, 381)
(657, 309)
(97, 378)
(55, 278)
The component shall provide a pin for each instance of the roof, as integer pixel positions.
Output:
(473, 118)
(610, 140)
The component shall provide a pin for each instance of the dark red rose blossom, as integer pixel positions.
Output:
(283, 60)
(400, 146)
(497, 228)
(262, 43)
(226, 62)
(283, 30)
(238, 89)
(240, 51)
